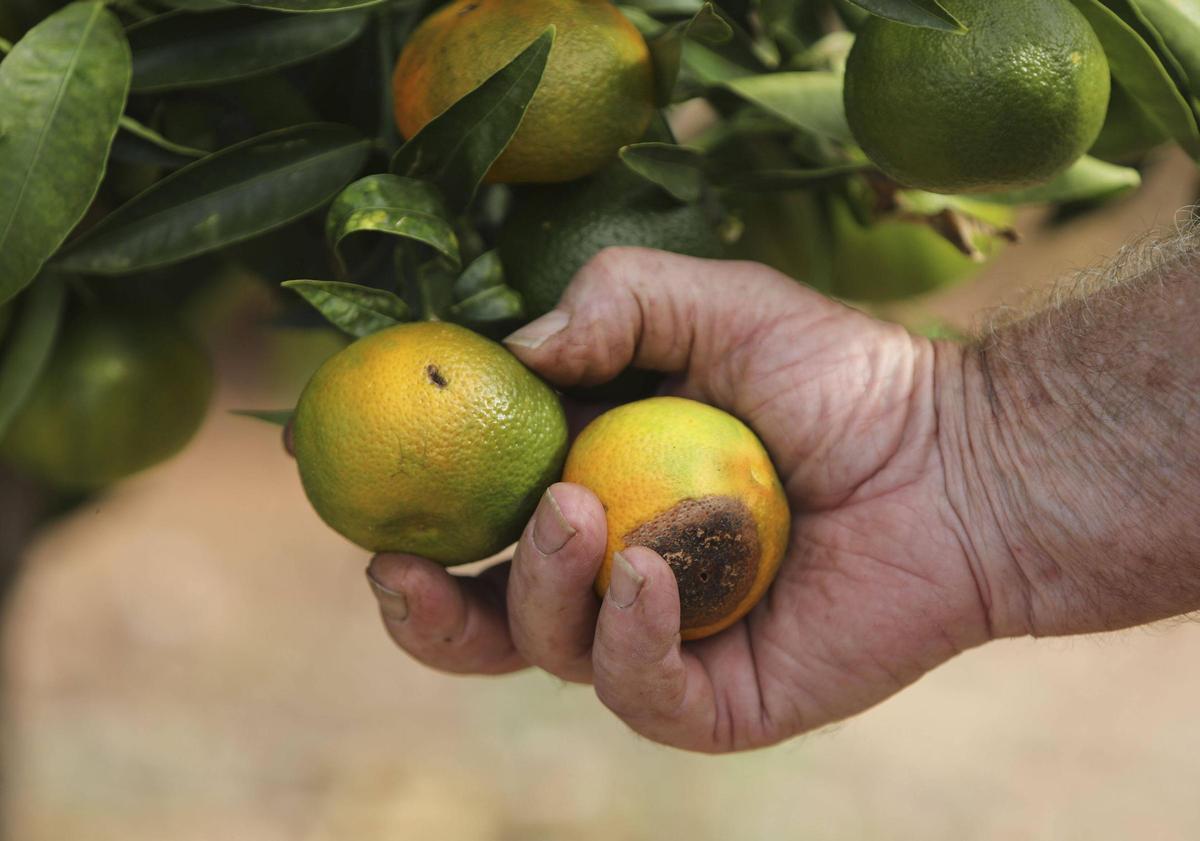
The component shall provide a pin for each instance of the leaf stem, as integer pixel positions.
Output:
(151, 136)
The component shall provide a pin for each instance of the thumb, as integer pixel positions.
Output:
(657, 310)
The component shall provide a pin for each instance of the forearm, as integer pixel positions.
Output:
(1072, 441)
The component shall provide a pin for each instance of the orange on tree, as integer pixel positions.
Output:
(430, 439)
(696, 485)
(597, 93)
(554, 229)
(122, 391)
(1010, 103)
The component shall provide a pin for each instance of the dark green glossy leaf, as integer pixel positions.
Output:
(924, 13)
(184, 50)
(666, 47)
(496, 303)
(229, 196)
(275, 417)
(62, 89)
(356, 310)
(27, 350)
(811, 101)
(484, 272)
(456, 149)
(708, 27)
(393, 204)
(677, 169)
(1143, 75)
(1088, 179)
(307, 5)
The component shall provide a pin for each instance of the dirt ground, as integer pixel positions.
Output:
(195, 656)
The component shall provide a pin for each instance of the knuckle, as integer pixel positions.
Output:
(610, 262)
(639, 679)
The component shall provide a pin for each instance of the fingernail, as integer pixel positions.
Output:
(535, 333)
(392, 603)
(551, 531)
(289, 441)
(626, 582)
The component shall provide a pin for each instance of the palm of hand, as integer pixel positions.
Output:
(875, 589)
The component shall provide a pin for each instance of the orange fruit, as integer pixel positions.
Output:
(597, 93)
(694, 484)
(430, 439)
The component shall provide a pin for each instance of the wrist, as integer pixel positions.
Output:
(1070, 461)
(968, 432)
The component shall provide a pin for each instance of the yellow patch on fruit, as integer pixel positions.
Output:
(696, 485)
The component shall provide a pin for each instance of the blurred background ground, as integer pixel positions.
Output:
(195, 656)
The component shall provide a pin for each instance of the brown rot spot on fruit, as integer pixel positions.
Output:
(712, 546)
(467, 9)
(435, 376)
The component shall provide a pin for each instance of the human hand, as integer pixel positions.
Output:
(875, 590)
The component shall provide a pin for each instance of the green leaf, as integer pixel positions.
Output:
(1088, 179)
(496, 303)
(484, 272)
(62, 89)
(143, 132)
(708, 27)
(231, 195)
(928, 14)
(703, 68)
(28, 347)
(808, 100)
(276, 417)
(456, 149)
(677, 169)
(666, 47)
(195, 5)
(779, 180)
(1143, 75)
(185, 51)
(357, 310)
(307, 5)
(1178, 21)
(1134, 17)
(393, 204)
(829, 53)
